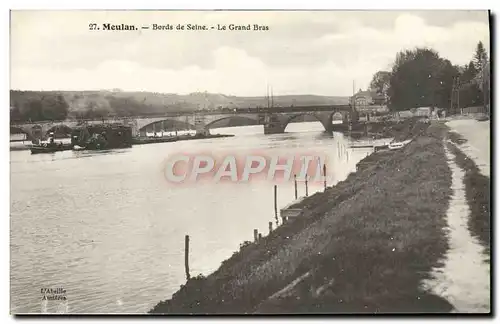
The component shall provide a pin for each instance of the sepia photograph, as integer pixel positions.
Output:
(238, 162)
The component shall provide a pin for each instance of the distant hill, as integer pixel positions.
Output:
(121, 103)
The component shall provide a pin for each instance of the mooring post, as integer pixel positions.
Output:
(260, 236)
(255, 235)
(186, 257)
(295, 182)
(270, 227)
(307, 191)
(276, 203)
(324, 173)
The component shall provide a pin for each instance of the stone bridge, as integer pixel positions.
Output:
(201, 122)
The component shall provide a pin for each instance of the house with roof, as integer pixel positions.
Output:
(364, 99)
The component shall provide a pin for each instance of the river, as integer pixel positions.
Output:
(109, 229)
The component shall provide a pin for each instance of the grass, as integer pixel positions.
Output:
(366, 243)
(477, 193)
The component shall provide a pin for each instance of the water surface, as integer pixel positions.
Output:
(108, 227)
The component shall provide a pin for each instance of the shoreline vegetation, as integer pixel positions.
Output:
(362, 246)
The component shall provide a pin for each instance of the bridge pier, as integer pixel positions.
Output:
(203, 131)
(274, 128)
(274, 124)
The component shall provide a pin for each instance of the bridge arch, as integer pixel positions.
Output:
(17, 130)
(325, 118)
(21, 130)
(169, 122)
(211, 123)
(61, 129)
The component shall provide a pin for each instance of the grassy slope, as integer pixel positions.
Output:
(477, 192)
(366, 245)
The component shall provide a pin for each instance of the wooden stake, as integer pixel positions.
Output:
(307, 191)
(295, 182)
(270, 227)
(186, 257)
(324, 173)
(255, 235)
(276, 203)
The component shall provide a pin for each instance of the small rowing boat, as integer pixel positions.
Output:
(37, 149)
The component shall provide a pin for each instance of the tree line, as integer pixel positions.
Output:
(421, 78)
(55, 107)
(35, 109)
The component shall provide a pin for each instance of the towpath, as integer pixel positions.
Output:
(477, 135)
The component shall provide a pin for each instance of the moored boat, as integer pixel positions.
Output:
(37, 149)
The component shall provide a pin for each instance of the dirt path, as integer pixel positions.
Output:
(464, 278)
(477, 147)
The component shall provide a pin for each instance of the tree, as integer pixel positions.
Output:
(61, 108)
(470, 92)
(54, 107)
(15, 113)
(33, 110)
(380, 82)
(420, 78)
(480, 57)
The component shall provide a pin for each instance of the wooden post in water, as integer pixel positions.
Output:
(260, 236)
(186, 257)
(295, 182)
(255, 235)
(324, 173)
(276, 203)
(307, 191)
(270, 227)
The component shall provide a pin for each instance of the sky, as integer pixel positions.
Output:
(302, 52)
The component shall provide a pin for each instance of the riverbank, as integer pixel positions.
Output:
(142, 141)
(363, 246)
(400, 130)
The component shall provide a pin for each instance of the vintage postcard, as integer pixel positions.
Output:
(249, 162)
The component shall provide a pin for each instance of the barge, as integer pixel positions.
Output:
(102, 136)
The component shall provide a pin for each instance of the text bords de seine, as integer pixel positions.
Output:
(170, 27)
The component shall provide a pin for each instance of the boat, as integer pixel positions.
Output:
(272, 124)
(362, 146)
(398, 145)
(377, 144)
(37, 149)
(483, 118)
(394, 146)
(381, 147)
